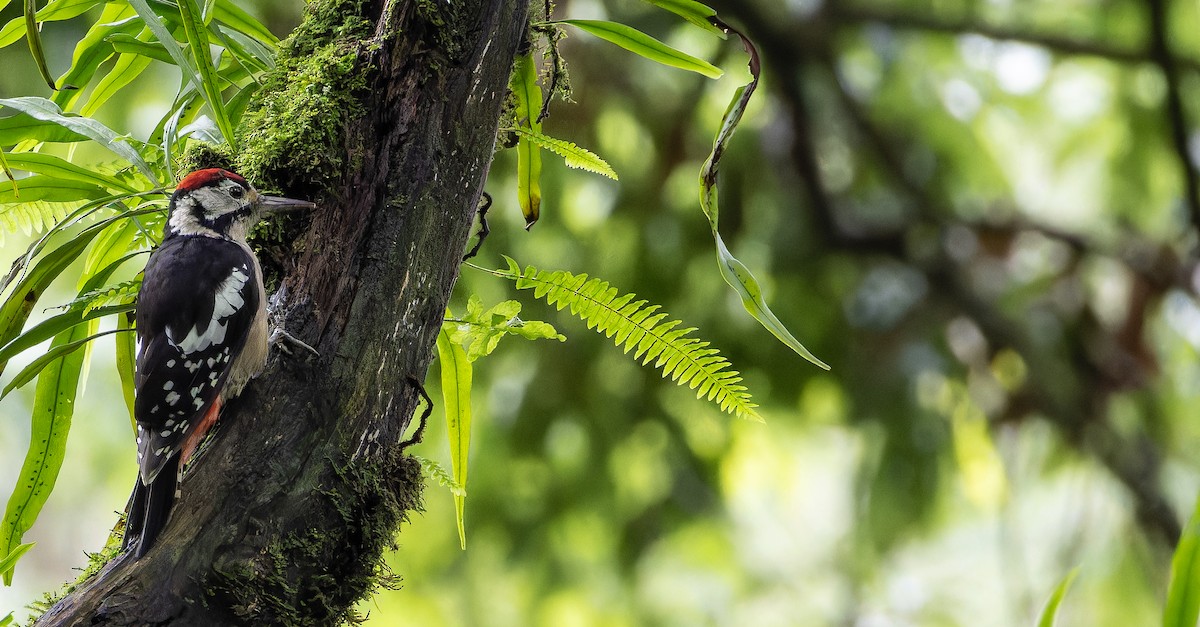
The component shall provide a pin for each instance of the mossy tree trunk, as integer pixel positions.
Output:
(287, 515)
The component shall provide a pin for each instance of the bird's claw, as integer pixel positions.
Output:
(286, 342)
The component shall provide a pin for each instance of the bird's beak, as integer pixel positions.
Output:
(278, 204)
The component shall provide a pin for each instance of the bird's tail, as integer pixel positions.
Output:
(150, 506)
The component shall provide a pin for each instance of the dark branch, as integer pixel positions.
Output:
(856, 15)
(1160, 50)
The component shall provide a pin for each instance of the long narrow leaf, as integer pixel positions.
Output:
(21, 127)
(197, 38)
(93, 50)
(229, 13)
(644, 45)
(456, 398)
(528, 95)
(693, 12)
(733, 271)
(20, 303)
(43, 109)
(54, 11)
(127, 68)
(8, 174)
(129, 44)
(34, 37)
(1050, 612)
(10, 561)
(1183, 590)
(55, 325)
(61, 169)
(191, 72)
(738, 276)
(248, 51)
(125, 343)
(57, 352)
(53, 408)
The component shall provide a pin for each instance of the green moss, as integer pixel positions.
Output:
(312, 577)
(200, 155)
(294, 132)
(96, 562)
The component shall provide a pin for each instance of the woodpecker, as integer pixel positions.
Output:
(202, 333)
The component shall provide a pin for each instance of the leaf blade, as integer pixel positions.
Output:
(644, 46)
(692, 11)
(1050, 611)
(1183, 591)
(456, 398)
(42, 109)
(528, 94)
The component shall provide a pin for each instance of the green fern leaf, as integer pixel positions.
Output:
(573, 155)
(439, 474)
(643, 329)
(119, 294)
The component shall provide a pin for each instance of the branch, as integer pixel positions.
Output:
(286, 516)
(857, 15)
(1161, 53)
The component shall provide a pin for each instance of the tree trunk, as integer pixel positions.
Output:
(286, 516)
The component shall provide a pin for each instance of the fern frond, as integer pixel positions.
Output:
(439, 474)
(573, 155)
(33, 216)
(118, 294)
(635, 325)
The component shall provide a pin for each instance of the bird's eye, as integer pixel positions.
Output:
(237, 192)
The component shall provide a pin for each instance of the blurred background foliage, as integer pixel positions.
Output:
(983, 214)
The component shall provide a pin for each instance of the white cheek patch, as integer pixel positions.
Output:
(227, 302)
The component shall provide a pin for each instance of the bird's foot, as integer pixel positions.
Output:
(288, 343)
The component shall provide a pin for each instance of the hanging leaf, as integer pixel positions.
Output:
(574, 156)
(125, 349)
(456, 398)
(34, 37)
(735, 273)
(644, 45)
(53, 408)
(738, 276)
(1183, 590)
(693, 12)
(528, 93)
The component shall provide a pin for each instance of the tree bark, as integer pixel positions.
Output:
(286, 516)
